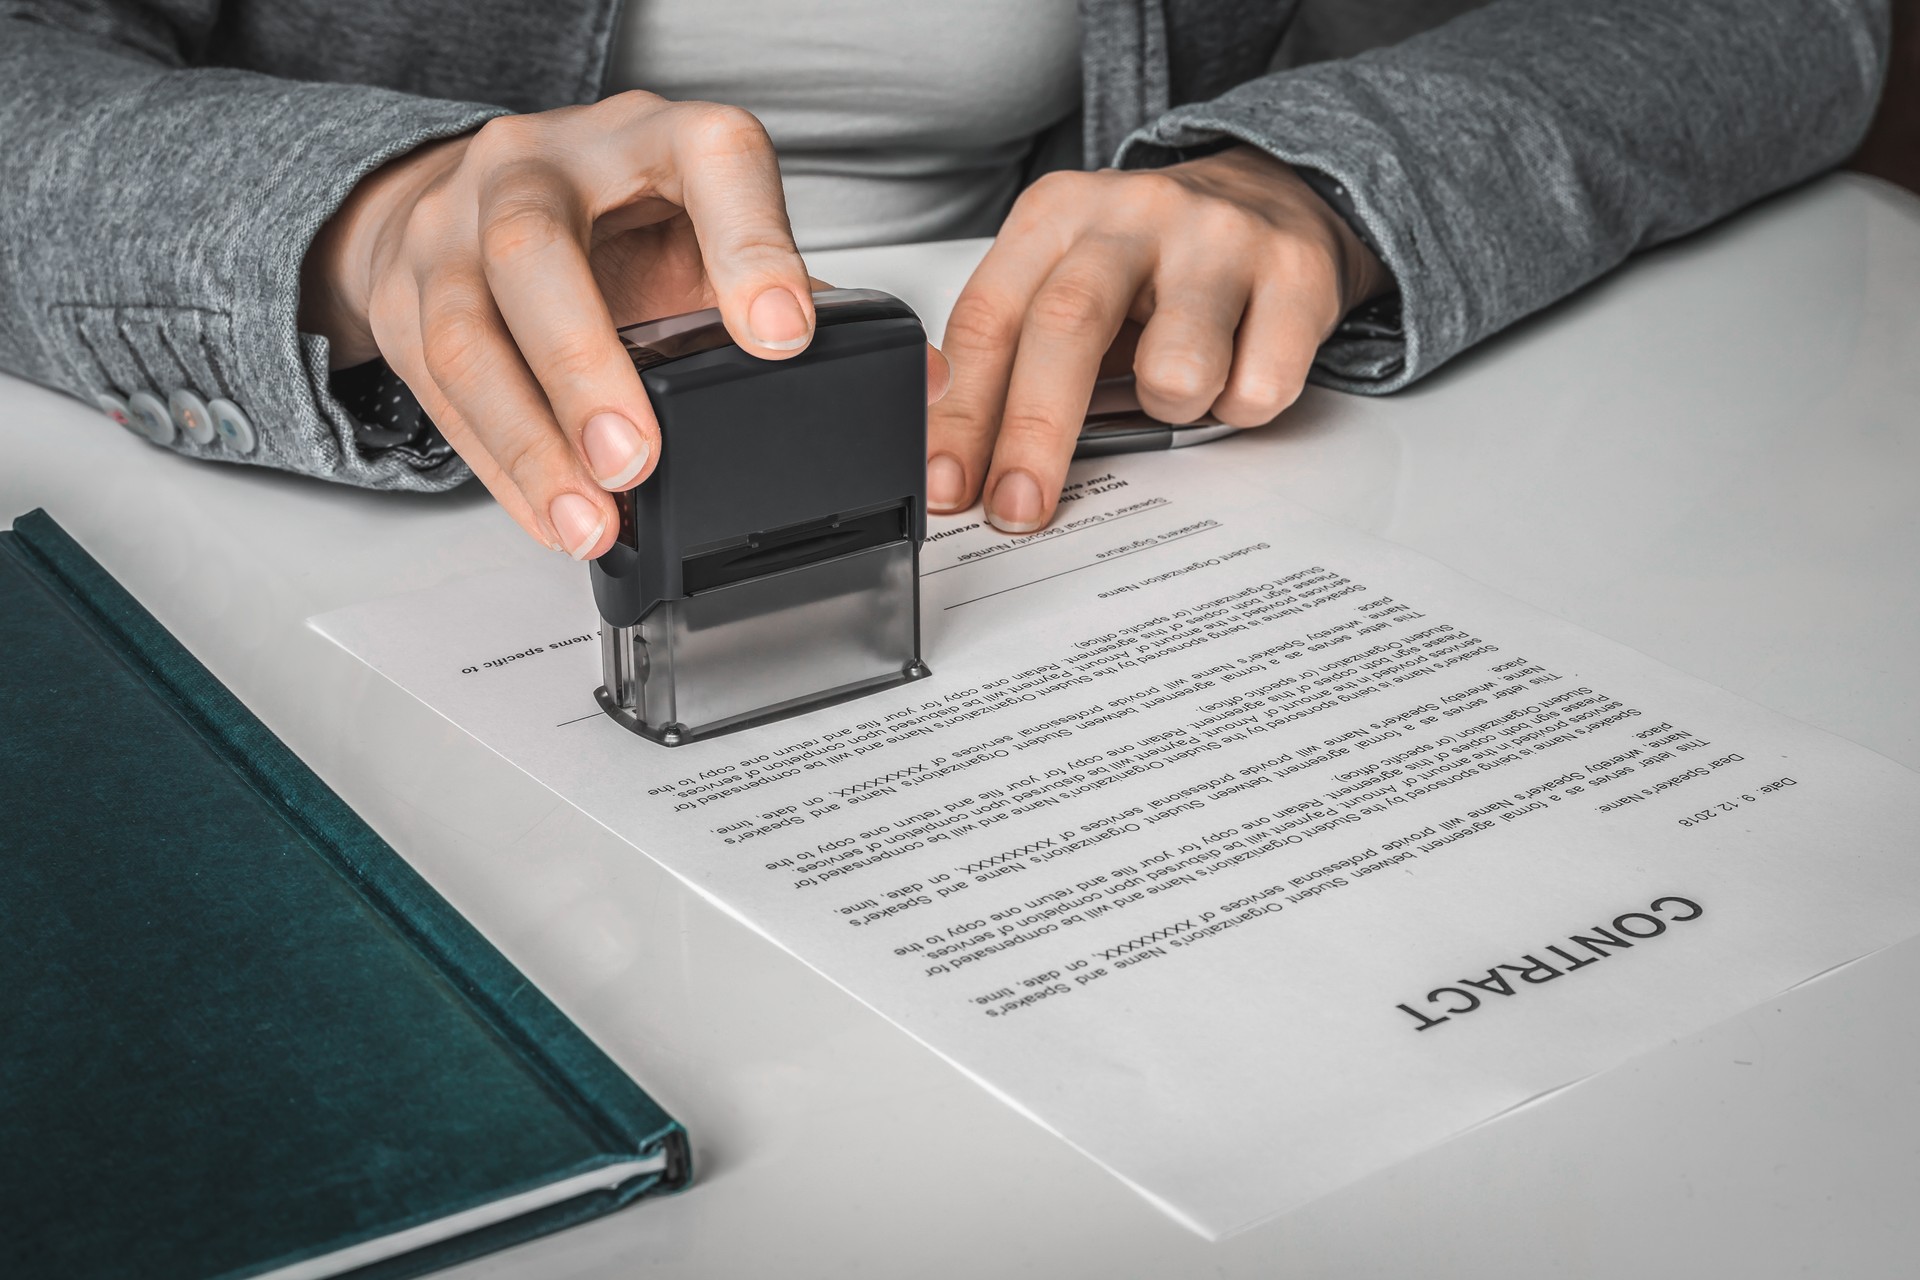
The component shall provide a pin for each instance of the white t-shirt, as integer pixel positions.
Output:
(895, 120)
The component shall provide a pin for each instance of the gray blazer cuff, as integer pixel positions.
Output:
(1504, 159)
(171, 215)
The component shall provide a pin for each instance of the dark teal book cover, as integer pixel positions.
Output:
(238, 1035)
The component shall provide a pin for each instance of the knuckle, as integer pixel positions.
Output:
(535, 459)
(1068, 305)
(1056, 185)
(1154, 188)
(1221, 220)
(435, 212)
(1025, 429)
(765, 242)
(1256, 399)
(629, 102)
(958, 428)
(454, 337)
(718, 129)
(1181, 377)
(573, 358)
(518, 223)
(976, 322)
(504, 136)
(1049, 197)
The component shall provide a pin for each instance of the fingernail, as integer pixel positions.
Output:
(1016, 503)
(939, 376)
(615, 449)
(946, 481)
(775, 320)
(578, 522)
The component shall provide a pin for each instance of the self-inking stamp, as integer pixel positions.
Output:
(771, 563)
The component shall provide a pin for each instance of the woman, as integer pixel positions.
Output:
(215, 204)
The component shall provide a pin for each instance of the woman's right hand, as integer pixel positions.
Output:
(490, 271)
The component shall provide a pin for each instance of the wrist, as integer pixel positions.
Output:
(330, 305)
(1282, 191)
(1363, 276)
(336, 277)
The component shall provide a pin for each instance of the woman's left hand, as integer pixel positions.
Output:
(1233, 267)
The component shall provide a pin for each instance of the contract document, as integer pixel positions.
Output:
(1247, 853)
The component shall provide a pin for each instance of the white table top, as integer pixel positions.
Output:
(1713, 457)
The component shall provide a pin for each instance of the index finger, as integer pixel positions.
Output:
(720, 167)
(1072, 320)
(981, 336)
(534, 253)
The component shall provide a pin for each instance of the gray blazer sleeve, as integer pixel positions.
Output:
(1502, 160)
(154, 217)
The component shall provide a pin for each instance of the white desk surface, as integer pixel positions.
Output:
(1713, 457)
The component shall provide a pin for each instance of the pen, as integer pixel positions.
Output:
(1137, 433)
(1116, 424)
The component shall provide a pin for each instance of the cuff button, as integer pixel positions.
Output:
(152, 416)
(232, 425)
(191, 415)
(120, 411)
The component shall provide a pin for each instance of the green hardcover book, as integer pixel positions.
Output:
(238, 1036)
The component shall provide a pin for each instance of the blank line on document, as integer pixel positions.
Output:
(1049, 535)
(1207, 528)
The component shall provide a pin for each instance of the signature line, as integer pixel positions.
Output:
(1101, 523)
(1064, 572)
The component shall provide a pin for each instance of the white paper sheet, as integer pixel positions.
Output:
(1247, 853)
